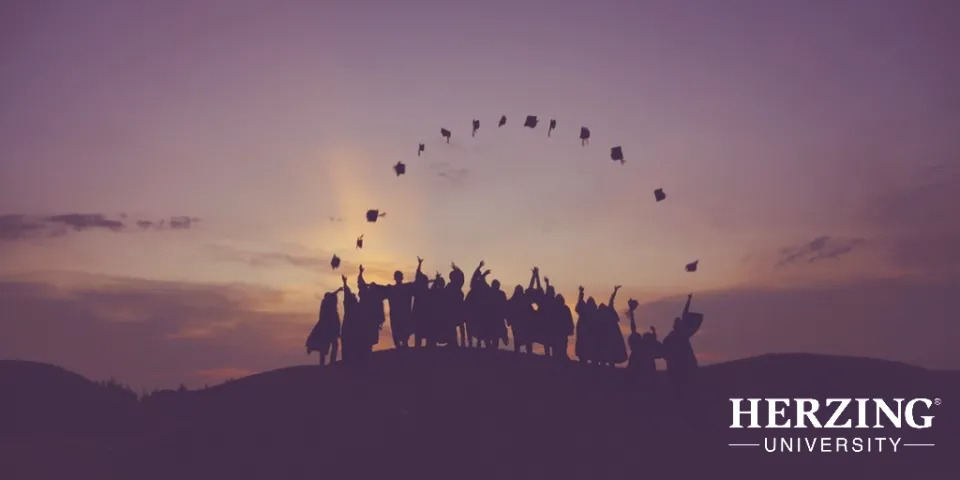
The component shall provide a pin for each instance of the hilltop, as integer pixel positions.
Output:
(451, 413)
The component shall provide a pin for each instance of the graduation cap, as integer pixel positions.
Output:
(584, 136)
(373, 215)
(445, 134)
(659, 195)
(422, 148)
(400, 168)
(531, 121)
(476, 126)
(553, 124)
(360, 241)
(616, 154)
(692, 267)
(503, 121)
(335, 262)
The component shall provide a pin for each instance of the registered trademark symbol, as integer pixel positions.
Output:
(936, 401)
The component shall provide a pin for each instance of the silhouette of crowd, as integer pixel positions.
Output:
(436, 312)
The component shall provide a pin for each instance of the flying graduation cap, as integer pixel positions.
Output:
(531, 121)
(659, 195)
(584, 136)
(553, 125)
(692, 267)
(616, 154)
(360, 241)
(335, 262)
(503, 121)
(373, 215)
(422, 148)
(445, 134)
(476, 126)
(400, 168)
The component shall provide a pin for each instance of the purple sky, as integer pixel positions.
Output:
(770, 125)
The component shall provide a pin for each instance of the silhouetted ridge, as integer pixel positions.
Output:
(37, 397)
(502, 414)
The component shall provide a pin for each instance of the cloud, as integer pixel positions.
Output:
(316, 262)
(918, 222)
(18, 227)
(149, 333)
(455, 175)
(14, 227)
(83, 221)
(820, 248)
(182, 223)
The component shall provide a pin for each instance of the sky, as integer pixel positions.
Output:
(808, 150)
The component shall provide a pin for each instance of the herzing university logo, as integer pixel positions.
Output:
(835, 413)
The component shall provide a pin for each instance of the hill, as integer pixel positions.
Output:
(453, 413)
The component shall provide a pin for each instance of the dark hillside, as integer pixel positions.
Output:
(453, 413)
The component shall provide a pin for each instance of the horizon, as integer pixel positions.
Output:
(808, 152)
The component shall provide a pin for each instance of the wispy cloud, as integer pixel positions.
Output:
(820, 248)
(449, 173)
(918, 221)
(132, 323)
(14, 227)
(318, 262)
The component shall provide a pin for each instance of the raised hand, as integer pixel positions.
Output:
(581, 289)
(419, 261)
(618, 287)
(454, 266)
(344, 278)
(361, 269)
(487, 272)
(482, 263)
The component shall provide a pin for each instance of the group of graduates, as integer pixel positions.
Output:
(437, 312)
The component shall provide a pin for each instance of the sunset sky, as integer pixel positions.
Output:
(809, 151)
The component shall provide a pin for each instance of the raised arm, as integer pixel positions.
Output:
(533, 277)
(419, 276)
(361, 284)
(581, 305)
(477, 275)
(337, 291)
(537, 275)
(633, 322)
(686, 308)
(613, 296)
